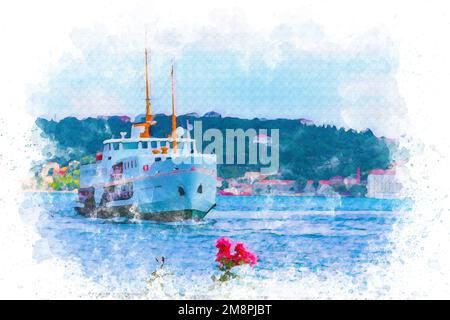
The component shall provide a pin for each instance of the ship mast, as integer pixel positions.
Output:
(148, 116)
(147, 89)
(174, 117)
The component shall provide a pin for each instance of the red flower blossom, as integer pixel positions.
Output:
(240, 256)
(243, 256)
(223, 244)
(224, 253)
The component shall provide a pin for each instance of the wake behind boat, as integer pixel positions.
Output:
(150, 178)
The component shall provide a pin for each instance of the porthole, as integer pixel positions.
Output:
(181, 191)
(200, 189)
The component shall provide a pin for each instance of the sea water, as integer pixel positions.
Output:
(309, 234)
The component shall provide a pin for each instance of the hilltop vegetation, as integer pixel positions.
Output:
(306, 151)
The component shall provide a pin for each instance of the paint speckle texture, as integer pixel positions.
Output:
(350, 65)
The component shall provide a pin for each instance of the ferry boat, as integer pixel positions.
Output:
(149, 178)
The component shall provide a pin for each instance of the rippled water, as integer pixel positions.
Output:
(311, 234)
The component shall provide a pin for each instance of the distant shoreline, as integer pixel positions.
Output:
(49, 191)
(239, 195)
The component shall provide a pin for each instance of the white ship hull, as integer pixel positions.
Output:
(167, 191)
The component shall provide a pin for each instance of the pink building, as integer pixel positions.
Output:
(350, 181)
(382, 171)
(325, 182)
(336, 180)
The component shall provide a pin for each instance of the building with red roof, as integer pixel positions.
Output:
(382, 171)
(382, 183)
(263, 139)
(325, 182)
(336, 180)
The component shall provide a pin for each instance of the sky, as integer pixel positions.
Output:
(292, 70)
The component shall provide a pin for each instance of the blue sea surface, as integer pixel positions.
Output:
(304, 233)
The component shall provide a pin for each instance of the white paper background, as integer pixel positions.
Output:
(34, 35)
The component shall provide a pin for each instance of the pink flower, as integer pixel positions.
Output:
(223, 259)
(240, 256)
(224, 253)
(223, 244)
(243, 256)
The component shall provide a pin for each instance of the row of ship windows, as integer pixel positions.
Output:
(133, 163)
(126, 165)
(114, 193)
(134, 145)
(130, 164)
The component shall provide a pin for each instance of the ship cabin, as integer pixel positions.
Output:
(127, 158)
(119, 148)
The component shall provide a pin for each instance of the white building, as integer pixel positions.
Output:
(262, 139)
(383, 184)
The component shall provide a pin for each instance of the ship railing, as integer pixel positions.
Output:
(125, 140)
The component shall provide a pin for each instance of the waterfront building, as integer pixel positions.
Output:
(350, 181)
(337, 180)
(253, 176)
(383, 184)
(262, 139)
(309, 189)
(219, 182)
(325, 190)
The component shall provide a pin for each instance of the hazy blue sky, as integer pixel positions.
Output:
(290, 72)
